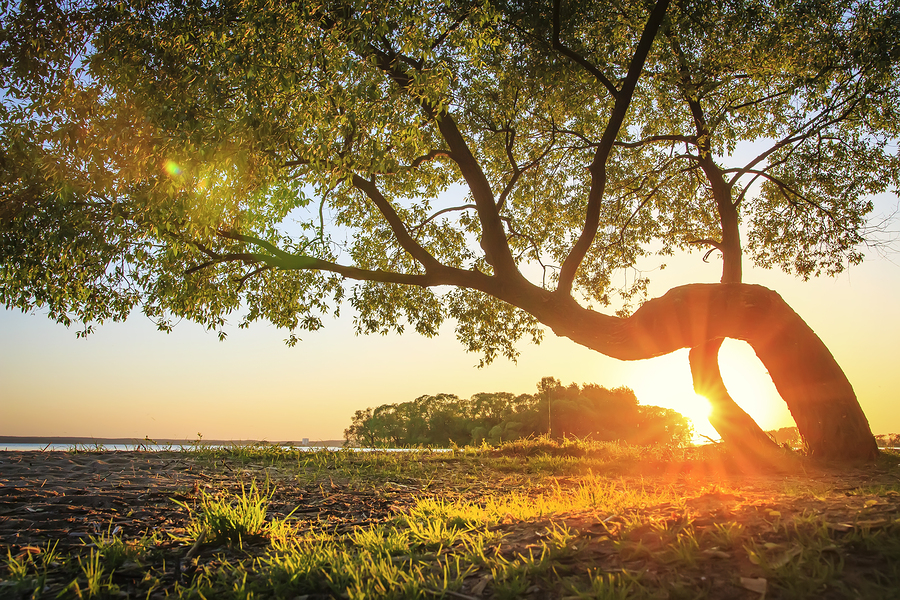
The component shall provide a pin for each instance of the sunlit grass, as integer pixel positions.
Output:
(230, 519)
(537, 518)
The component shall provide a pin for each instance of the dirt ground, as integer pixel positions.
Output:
(66, 497)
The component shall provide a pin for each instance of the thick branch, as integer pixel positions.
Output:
(245, 257)
(279, 259)
(598, 166)
(493, 237)
(396, 223)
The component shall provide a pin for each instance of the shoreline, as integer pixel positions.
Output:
(131, 441)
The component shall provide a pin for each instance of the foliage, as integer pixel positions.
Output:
(197, 159)
(589, 411)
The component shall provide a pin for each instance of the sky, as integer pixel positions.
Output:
(130, 380)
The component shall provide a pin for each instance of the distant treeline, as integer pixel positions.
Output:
(786, 435)
(588, 411)
(888, 440)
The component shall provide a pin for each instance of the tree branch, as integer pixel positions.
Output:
(252, 273)
(598, 166)
(246, 257)
(493, 239)
(459, 21)
(280, 259)
(798, 135)
(687, 139)
(577, 58)
(442, 211)
(518, 172)
(706, 242)
(788, 191)
(398, 227)
(425, 158)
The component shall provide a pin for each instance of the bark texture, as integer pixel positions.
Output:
(804, 372)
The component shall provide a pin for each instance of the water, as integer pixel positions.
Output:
(132, 447)
(187, 446)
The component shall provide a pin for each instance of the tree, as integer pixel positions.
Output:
(361, 430)
(198, 159)
(588, 411)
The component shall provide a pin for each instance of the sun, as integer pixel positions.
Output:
(666, 381)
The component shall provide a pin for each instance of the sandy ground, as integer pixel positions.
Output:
(50, 496)
(65, 497)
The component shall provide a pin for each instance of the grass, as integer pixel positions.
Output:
(533, 519)
(230, 519)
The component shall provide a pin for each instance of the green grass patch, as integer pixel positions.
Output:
(527, 520)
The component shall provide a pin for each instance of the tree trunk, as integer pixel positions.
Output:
(804, 372)
(734, 425)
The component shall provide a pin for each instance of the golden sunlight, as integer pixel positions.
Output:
(666, 381)
(749, 384)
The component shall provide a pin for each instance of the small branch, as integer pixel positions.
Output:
(687, 139)
(577, 58)
(789, 191)
(442, 211)
(647, 198)
(295, 163)
(252, 273)
(736, 107)
(518, 172)
(813, 126)
(427, 157)
(746, 188)
(246, 257)
(459, 21)
(715, 246)
(705, 242)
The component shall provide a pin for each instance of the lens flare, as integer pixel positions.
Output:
(666, 381)
(172, 168)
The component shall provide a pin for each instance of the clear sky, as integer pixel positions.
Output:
(129, 380)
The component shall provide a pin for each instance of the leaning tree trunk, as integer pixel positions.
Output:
(804, 372)
(731, 421)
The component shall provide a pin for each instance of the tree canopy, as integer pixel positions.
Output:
(505, 165)
(588, 411)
